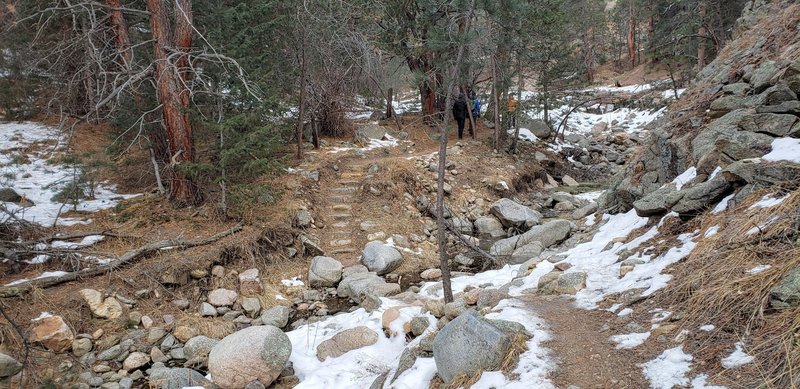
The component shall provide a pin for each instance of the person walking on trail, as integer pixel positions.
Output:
(460, 113)
(512, 111)
(476, 107)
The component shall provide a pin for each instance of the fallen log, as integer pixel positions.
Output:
(127, 258)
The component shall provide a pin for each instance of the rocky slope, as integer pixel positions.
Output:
(740, 107)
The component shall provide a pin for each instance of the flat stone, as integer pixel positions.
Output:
(222, 297)
(346, 341)
(135, 360)
(108, 308)
(431, 274)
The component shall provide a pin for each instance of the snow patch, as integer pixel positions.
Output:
(722, 206)
(767, 201)
(711, 231)
(668, 369)
(759, 269)
(737, 358)
(784, 149)
(628, 341)
(685, 178)
(26, 152)
(590, 196)
(295, 281)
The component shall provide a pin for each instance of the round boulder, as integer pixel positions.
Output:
(381, 258)
(254, 353)
(324, 271)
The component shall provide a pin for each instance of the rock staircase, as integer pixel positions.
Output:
(338, 240)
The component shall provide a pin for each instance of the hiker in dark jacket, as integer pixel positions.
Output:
(460, 113)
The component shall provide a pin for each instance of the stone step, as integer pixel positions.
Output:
(341, 225)
(343, 250)
(342, 216)
(352, 175)
(340, 198)
(349, 183)
(341, 242)
(345, 189)
(342, 207)
(343, 234)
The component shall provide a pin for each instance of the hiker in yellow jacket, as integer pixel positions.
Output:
(512, 111)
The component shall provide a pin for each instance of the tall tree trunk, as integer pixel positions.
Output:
(444, 262)
(631, 36)
(496, 100)
(389, 97)
(520, 85)
(183, 42)
(121, 38)
(174, 95)
(701, 32)
(427, 87)
(301, 113)
(470, 107)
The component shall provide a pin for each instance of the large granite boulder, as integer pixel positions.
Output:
(254, 353)
(771, 124)
(366, 132)
(726, 135)
(546, 234)
(512, 214)
(357, 285)
(467, 345)
(8, 366)
(53, 333)
(381, 258)
(657, 202)
(700, 196)
(489, 226)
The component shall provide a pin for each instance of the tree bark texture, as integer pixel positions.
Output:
(427, 87)
(173, 92)
(301, 113)
(389, 96)
(121, 38)
(631, 36)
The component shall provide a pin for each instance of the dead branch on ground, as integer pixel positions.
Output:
(125, 259)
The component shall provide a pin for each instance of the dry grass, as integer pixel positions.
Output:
(716, 285)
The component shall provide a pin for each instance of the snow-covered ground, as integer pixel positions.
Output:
(27, 155)
(29, 164)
